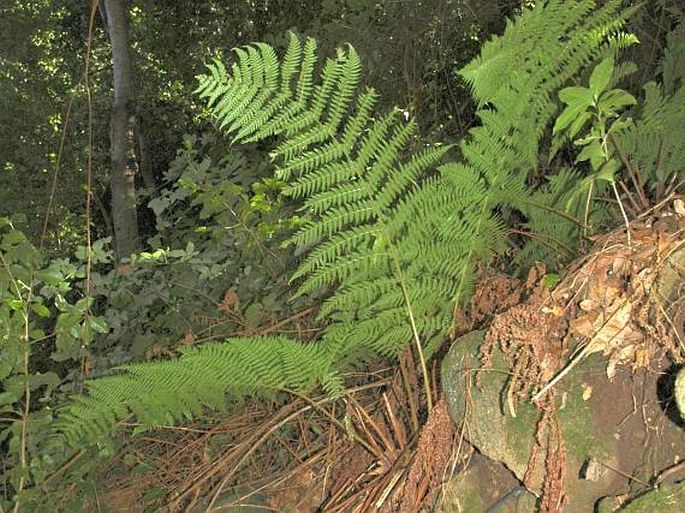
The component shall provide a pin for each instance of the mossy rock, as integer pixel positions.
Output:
(496, 435)
(485, 485)
(492, 428)
(665, 499)
(679, 392)
(598, 418)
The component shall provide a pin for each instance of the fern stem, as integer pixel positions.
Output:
(318, 406)
(255, 445)
(586, 215)
(606, 136)
(545, 240)
(634, 176)
(635, 209)
(553, 210)
(354, 435)
(415, 332)
(623, 212)
(660, 169)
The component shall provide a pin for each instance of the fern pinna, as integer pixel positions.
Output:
(391, 236)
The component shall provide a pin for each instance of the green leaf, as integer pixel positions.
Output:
(83, 304)
(576, 96)
(40, 310)
(10, 397)
(567, 117)
(98, 324)
(607, 171)
(612, 100)
(620, 124)
(51, 276)
(591, 151)
(13, 237)
(550, 280)
(254, 315)
(177, 253)
(36, 334)
(597, 160)
(61, 303)
(50, 379)
(5, 368)
(584, 141)
(15, 304)
(599, 80)
(158, 205)
(578, 124)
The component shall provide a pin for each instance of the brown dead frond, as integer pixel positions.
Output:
(494, 293)
(554, 498)
(430, 460)
(624, 301)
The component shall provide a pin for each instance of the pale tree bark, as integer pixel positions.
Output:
(122, 132)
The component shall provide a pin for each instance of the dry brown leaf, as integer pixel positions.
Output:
(620, 265)
(230, 302)
(582, 327)
(679, 207)
(587, 305)
(535, 275)
(587, 391)
(611, 332)
(187, 340)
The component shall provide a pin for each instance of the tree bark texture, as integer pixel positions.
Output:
(122, 133)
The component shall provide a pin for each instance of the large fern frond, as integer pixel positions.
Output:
(370, 231)
(654, 143)
(384, 231)
(164, 392)
(515, 80)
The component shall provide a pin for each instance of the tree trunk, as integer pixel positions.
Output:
(122, 134)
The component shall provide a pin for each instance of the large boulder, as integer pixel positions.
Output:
(616, 434)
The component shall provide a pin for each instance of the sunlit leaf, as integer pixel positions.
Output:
(591, 151)
(40, 310)
(607, 171)
(567, 117)
(599, 80)
(576, 96)
(613, 100)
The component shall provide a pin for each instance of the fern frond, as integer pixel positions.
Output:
(653, 143)
(540, 50)
(362, 202)
(306, 76)
(161, 393)
(363, 197)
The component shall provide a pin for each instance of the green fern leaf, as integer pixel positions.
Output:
(161, 393)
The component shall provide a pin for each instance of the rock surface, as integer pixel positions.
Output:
(617, 436)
